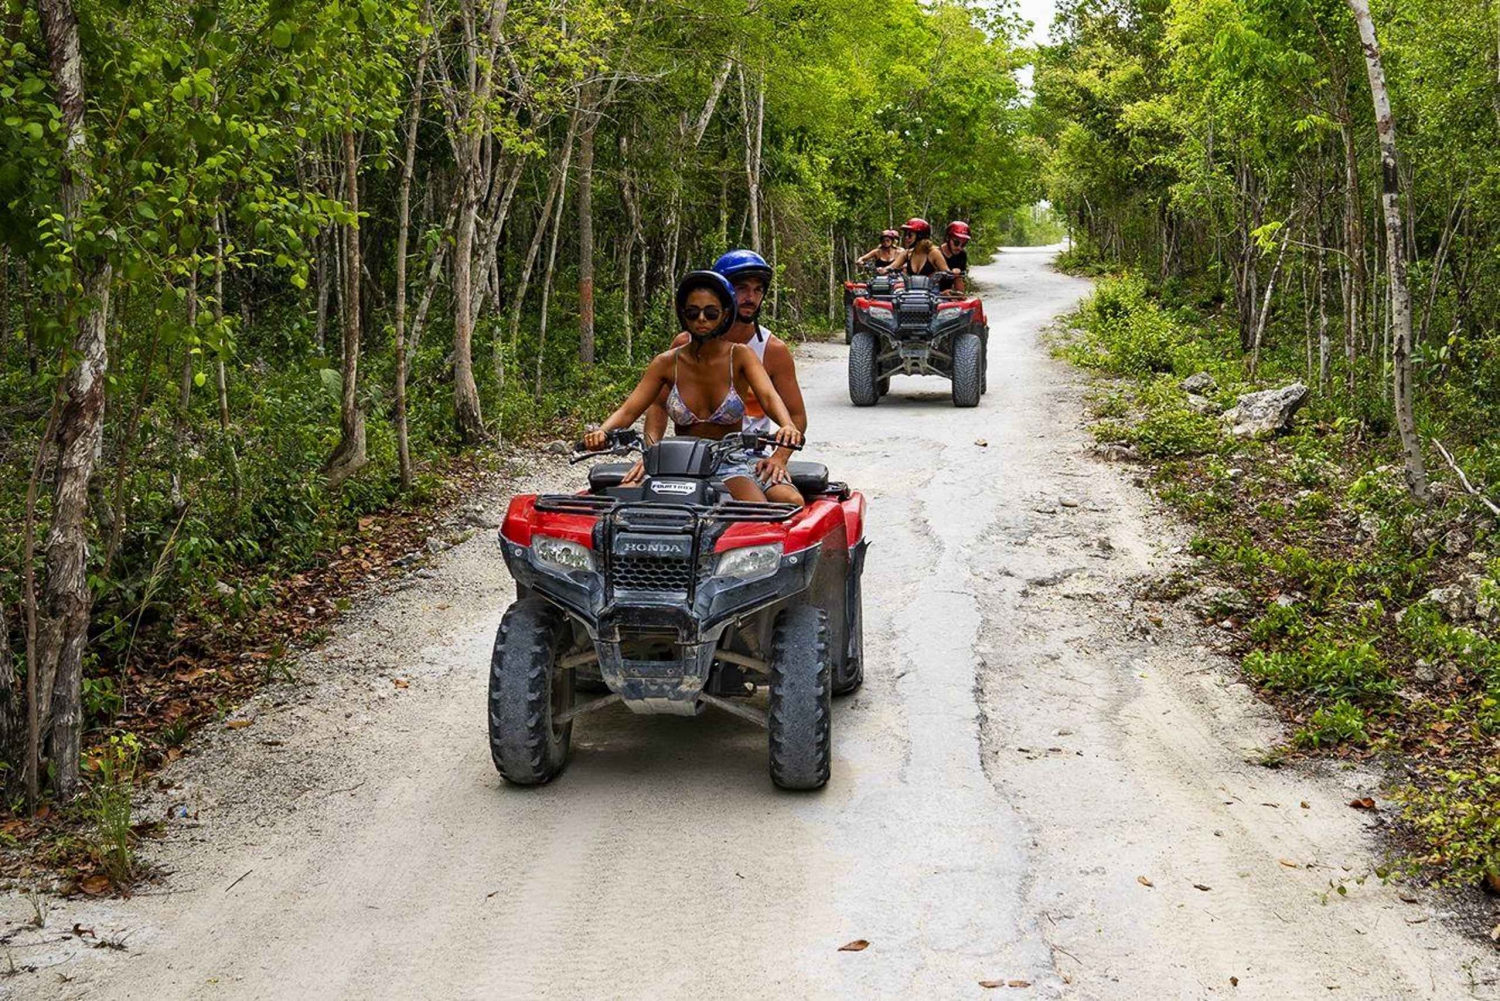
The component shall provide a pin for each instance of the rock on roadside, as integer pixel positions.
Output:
(1267, 412)
(1199, 383)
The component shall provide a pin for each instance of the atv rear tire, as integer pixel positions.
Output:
(527, 690)
(968, 357)
(800, 712)
(864, 391)
(852, 674)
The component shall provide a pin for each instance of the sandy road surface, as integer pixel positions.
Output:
(1029, 746)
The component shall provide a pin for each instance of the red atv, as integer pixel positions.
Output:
(917, 330)
(671, 596)
(871, 286)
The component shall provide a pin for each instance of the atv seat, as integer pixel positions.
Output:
(810, 478)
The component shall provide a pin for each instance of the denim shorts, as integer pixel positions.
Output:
(741, 463)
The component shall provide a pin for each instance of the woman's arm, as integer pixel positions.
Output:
(866, 258)
(939, 261)
(645, 393)
(898, 260)
(755, 374)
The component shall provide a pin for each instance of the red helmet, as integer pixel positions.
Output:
(958, 230)
(921, 227)
(890, 233)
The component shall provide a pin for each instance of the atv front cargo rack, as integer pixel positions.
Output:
(725, 510)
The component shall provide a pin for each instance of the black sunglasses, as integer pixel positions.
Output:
(709, 313)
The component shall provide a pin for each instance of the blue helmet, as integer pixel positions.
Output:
(740, 263)
(720, 286)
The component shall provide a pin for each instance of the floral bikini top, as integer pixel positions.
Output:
(730, 412)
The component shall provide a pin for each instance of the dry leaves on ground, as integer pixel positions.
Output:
(858, 945)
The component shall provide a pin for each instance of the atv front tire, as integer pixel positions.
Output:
(800, 710)
(848, 324)
(863, 388)
(527, 692)
(968, 375)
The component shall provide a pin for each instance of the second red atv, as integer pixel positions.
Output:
(918, 330)
(671, 596)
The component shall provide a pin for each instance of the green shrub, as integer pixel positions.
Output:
(1324, 667)
(1458, 815)
(1339, 723)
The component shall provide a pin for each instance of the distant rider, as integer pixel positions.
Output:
(703, 368)
(886, 253)
(954, 253)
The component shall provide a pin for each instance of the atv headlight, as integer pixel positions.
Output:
(561, 553)
(750, 563)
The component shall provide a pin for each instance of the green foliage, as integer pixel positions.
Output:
(1457, 813)
(109, 806)
(1325, 667)
(1339, 723)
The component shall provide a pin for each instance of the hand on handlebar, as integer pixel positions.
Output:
(595, 440)
(787, 437)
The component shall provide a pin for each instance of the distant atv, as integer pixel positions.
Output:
(871, 286)
(671, 596)
(917, 330)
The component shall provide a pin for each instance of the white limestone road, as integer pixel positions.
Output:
(1044, 782)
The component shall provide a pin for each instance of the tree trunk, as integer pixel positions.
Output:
(349, 457)
(586, 236)
(754, 130)
(1354, 246)
(236, 483)
(403, 231)
(541, 341)
(62, 630)
(466, 408)
(1400, 293)
(322, 251)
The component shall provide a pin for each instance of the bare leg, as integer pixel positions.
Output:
(785, 493)
(743, 488)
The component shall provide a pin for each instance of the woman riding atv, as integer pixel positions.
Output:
(884, 255)
(918, 255)
(705, 369)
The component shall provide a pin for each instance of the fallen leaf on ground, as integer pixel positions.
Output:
(1305, 806)
(1364, 803)
(1144, 881)
(988, 984)
(81, 931)
(981, 443)
(1018, 983)
(95, 885)
(1407, 898)
(1288, 863)
(239, 724)
(1201, 886)
(1234, 981)
(858, 945)
(401, 682)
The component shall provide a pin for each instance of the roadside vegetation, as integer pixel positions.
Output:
(1302, 191)
(1372, 621)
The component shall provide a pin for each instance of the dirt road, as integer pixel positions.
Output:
(1038, 784)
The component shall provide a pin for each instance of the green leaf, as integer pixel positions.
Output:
(34, 129)
(281, 35)
(200, 378)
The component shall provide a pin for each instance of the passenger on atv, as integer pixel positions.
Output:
(707, 368)
(885, 254)
(957, 257)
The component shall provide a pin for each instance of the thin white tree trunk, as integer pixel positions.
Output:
(1400, 293)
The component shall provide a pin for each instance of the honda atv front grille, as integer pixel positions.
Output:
(651, 573)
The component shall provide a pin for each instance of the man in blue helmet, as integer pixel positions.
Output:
(750, 275)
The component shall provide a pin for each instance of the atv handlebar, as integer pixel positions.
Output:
(627, 440)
